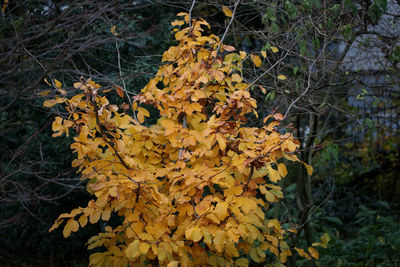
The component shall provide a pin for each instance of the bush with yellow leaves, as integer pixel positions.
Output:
(186, 187)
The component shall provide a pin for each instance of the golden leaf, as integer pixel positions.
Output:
(255, 256)
(44, 93)
(229, 48)
(237, 78)
(284, 254)
(268, 195)
(132, 250)
(219, 240)
(196, 235)
(233, 191)
(221, 210)
(57, 83)
(119, 90)
(71, 226)
(96, 259)
(309, 168)
(173, 264)
(83, 220)
(52, 102)
(180, 35)
(282, 170)
(142, 113)
(273, 174)
(282, 77)
(313, 252)
(302, 253)
(113, 30)
(177, 23)
(325, 238)
(227, 11)
(242, 55)
(256, 60)
(148, 144)
(144, 247)
(274, 49)
(264, 54)
(278, 117)
(242, 262)
(221, 141)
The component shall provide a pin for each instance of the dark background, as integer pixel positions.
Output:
(342, 63)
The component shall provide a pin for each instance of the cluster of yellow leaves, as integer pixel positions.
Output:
(186, 187)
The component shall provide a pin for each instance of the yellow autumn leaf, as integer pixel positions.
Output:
(219, 240)
(309, 168)
(284, 254)
(242, 55)
(148, 144)
(173, 264)
(132, 250)
(227, 11)
(113, 30)
(71, 226)
(282, 170)
(268, 195)
(119, 91)
(144, 247)
(264, 54)
(313, 252)
(177, 23)
(83, 220)
(221, 141)
(256, 60)
(274, 49)
(255, 256)
(302, 253)
(57, 83)
(142, 113)
(236, 78)
(196, 235)
(96, 259)
(77, 85)
(282, 77)
(221, 210)
(51, 102)
(44, 93)
(242, 262)
(325, 238)
(180, 35)
(273, 174)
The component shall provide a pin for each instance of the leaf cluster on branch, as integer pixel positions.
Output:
(193, 188)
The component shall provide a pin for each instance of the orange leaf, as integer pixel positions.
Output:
(120, 91)
(256, 60)
(227, 11)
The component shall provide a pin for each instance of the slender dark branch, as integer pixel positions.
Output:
(227, 28)
(96, 109)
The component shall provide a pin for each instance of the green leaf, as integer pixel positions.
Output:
(295, 70)
(334, 220)
(274, 28)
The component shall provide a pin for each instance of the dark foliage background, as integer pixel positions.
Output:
(342, 99)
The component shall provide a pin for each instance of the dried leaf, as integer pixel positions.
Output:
(256, 60)
(227, 11)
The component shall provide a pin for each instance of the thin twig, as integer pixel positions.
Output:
(190, 14)
(304, 92)
(227, 28)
